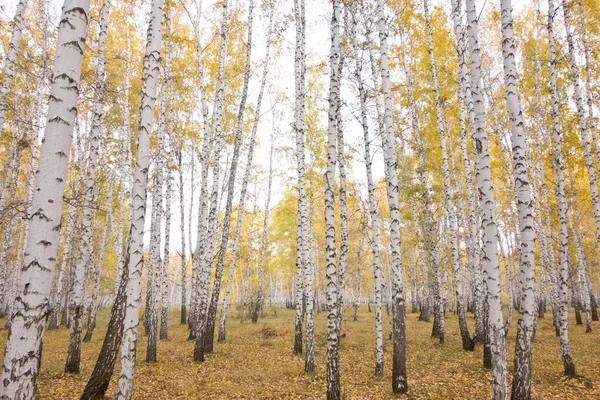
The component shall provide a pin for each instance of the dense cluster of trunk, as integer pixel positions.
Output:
(444, 139)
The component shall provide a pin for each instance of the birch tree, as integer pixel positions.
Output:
(263, 245)
(31, 305)
(135, 246)
(333, 372)
(375, 246)
(399, 380)
(495, 325)
(521, 385)
(85, 256)
(10, 63)
(212, 310)
(302, 218)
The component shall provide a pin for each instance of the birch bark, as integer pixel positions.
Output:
(23, 348)
(563, 267)
(135, 248)
(399, 381)
(333, 372)
(490, 231)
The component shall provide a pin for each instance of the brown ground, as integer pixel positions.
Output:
(256, 362)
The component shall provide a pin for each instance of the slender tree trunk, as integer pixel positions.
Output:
(183, 319)
(302, 218)
(521, 385)
(333, 372)
(375, 247)
(583, 123)
(204, 332)
(98, 382)
(24, 346)
(245, 180)
(135, 254)
(164, 302)
(399, 381)
(208, 334)
(490, 231)
(563, 267)
(85, 256)
(263, 246)
(10, 63)
(96, 278)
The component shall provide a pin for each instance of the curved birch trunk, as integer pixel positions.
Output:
(135, 248)
(23, 348)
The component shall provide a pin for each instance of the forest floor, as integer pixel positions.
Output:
(256, 362)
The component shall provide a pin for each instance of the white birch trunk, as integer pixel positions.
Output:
(207, 258)
(333, 372)
(85, 257)
(23, 349)
(375, 247)
(491, 270)
(245, 181)
(563, 267)
(399, 381)
(135, 246)
(10, 63)
(302, 218)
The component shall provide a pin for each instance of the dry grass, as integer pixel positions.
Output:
(256, 362)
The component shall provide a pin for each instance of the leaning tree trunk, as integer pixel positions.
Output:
(85, 257)
(563, 267)
(135, 253)
(31, 306)
(302, 217)
(245, 180)
(97, 385)
(583, 123)
(375, 247)
(208, 333)
(495, 325)
(333, 371)
(399, 381)
(521, 385)
(10, 63)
